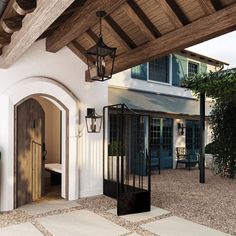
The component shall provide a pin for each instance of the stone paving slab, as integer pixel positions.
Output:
(155, 211)
(45, 206)
(80, 222)
(175, 226)
(26, 229)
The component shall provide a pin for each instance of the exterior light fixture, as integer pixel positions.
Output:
(102, 70)
(181, 128)
(93, 121)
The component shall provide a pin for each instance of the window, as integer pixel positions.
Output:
(139, 72)
(192, 136)
(192, 68)
(159, 70)
(156, 70)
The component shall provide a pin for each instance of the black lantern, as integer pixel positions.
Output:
(93, 121)
(181, 128)
(105, 56)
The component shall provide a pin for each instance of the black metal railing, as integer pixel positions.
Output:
(126, 161)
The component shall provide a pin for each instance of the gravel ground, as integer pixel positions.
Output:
(212, 204)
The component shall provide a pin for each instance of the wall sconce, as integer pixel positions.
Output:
(93, 121)
(181, 128)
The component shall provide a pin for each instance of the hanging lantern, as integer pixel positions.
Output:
(93, 121)
(105, 57)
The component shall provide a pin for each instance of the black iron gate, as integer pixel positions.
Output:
(126, 170)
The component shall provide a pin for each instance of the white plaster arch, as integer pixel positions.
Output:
(68, 103)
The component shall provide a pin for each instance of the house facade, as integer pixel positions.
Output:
(57, 82)
(64, 96)
(154, 88)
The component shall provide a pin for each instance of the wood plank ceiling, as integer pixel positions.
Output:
(140, 29)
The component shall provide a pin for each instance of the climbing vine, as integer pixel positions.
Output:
(221, 87)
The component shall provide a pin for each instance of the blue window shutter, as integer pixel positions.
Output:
(179, 69)
(139, 72)
(203, 68)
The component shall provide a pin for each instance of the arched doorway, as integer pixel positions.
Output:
(69, 107)
(30, 152)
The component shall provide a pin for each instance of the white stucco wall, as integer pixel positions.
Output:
(52, 130)
(124, 80)
(69, 70)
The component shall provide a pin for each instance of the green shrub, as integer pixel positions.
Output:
(221, 86)
(210, 148)
(115, 149)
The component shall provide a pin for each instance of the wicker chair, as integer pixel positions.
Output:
(189, 159)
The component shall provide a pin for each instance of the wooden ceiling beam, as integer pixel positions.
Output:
(19, 7)
(33, 26)
(175, 20)
(207, 6)
(63, 17)
(174, 12)
(79, 22)
(12, 24)
(92, 35)
(217, 4)
(78, 50)
(5, 39)
(136, 14)
(24, 7)
(203, 29)
(12, 17)
(116, 36)
(118, 33)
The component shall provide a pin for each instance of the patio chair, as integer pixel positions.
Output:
(184, 157)
(155, 160)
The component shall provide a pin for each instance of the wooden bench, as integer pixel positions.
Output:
(55, 171)
(184, 157)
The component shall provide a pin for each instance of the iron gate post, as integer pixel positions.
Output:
(202, 138)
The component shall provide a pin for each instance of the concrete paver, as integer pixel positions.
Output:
(175, 226)
(26, 229)
(82, 222)
(45, 206)
(155, 211)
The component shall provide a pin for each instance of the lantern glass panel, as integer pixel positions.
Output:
(93, 121)
(103, 53)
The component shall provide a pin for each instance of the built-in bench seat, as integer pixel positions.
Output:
(55, 170)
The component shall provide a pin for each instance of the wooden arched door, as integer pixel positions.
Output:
(30, 148)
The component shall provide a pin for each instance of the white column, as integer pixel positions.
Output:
(7, 150)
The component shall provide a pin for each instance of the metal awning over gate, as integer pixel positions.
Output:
(153, 102)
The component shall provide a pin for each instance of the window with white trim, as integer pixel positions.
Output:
(193, 68)
(158, 70)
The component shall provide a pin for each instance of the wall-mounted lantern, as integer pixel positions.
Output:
(93, 121)
(104, 56)
(181, 128)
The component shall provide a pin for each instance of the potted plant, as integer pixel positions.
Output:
(210, 150)
(115, 150)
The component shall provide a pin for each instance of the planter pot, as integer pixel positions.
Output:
(111, 167)
(209, 161)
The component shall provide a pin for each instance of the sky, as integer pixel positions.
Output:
(222, 48)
